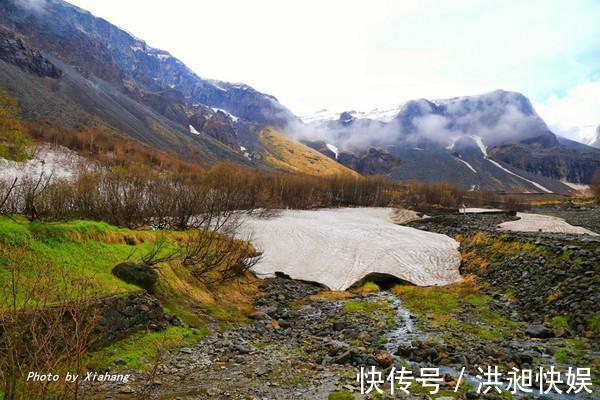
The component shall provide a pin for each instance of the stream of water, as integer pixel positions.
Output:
(406, 331)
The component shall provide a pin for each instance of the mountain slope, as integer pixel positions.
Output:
(288, 155)
(69, 68)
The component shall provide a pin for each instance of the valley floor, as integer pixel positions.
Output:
(527, 300)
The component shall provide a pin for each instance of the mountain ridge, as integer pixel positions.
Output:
(443, 139)
(68, 67)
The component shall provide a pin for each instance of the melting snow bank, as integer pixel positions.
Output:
(402, 216)
(338, 247)
(475, 210)
(56, 161)
(543, 223)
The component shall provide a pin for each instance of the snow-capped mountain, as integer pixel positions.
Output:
(595, 139)
(377, 114)
(495, 140)
(67, 67)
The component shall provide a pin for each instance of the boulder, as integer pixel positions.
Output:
(259, 316)
(344, 358)
(384, 359)
(539, 331)
(136, 274)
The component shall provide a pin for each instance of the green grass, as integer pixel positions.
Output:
(364, 306)
(51, 260)
(370, 287)
(562, 355)
(65, 254)
(383, 340)
(559, 321)
(442, 308)
(358, 306)
(595, 324)
(436, 303)
(139, 350)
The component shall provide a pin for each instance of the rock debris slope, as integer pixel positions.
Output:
(339, 247)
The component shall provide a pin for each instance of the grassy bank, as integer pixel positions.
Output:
(43, 263)
(62, 254)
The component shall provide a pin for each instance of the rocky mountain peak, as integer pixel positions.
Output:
(596, 139)
(346, 118)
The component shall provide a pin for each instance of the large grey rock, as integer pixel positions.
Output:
(539, 331)
(137, 274)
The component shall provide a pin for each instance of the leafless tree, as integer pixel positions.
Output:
(31, 190)
(6, 190)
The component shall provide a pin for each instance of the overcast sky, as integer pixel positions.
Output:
(345, 55)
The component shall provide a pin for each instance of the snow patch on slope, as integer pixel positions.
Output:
(233, 117)
(575, 186)
(537, 185)
(333, 149)
(56, 161)
(479, 141)
(245, 152)
(450, 147)
(483, 148)
(193, 130)
(467, 164)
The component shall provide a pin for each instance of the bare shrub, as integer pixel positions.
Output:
(7, 188)
(30, 191)
(46, 323)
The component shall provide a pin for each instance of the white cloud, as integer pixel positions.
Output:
(574, 115)
(354, 54)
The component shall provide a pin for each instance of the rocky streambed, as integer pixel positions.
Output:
(528, 300)
(300, 343)
(303, 342)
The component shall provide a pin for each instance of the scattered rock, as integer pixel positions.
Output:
(259, 316)
(539, 331)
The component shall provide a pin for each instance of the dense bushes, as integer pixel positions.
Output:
(135, 197)
(109, 148)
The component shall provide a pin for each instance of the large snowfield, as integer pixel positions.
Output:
(338, 247)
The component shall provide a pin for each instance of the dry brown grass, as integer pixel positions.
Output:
(288, 155)
(328, 295)
(193, 300)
